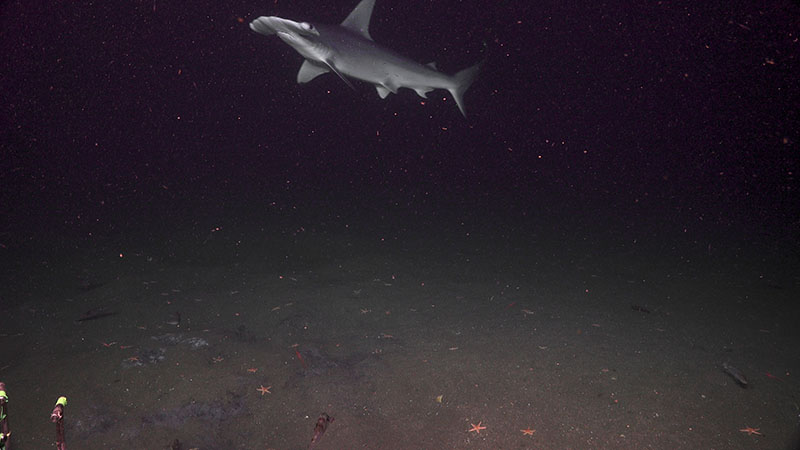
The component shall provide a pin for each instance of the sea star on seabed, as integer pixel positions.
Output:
(476, 428)
(264, 390)
(750, 430)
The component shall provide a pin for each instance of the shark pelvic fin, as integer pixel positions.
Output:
(358, 20)
(382, 91)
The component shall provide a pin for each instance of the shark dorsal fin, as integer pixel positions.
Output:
(358, 20)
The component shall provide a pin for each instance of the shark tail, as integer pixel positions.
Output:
(461, 82)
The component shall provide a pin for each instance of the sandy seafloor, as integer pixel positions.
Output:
(533, 326)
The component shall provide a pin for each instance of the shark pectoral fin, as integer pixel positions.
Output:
(341, 76)
(423, 91)
(358, 20)
(309, 71)
(382, 91)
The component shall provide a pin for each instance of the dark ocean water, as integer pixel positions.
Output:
(622, 199)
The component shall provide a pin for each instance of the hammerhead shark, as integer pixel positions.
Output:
(349, 51)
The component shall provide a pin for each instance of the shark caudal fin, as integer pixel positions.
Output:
(461, 82)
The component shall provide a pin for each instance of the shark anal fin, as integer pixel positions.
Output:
(309, 71)
(423, 91)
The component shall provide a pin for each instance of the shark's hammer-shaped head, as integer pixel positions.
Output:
(301, 36)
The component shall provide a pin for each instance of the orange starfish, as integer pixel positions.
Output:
(264, 390)
(750, 430)
(476, 428)
(252, 370)
(528, 432)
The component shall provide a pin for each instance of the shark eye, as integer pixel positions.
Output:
(307, 26)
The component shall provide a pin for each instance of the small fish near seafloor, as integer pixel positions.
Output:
(736, 374)
(95, 313)
(174, 319)
(319, 429)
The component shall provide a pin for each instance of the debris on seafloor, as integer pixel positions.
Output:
(194, 342)
(736, 374)
(319, 429)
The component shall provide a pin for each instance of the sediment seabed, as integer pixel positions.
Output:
(159, 354)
